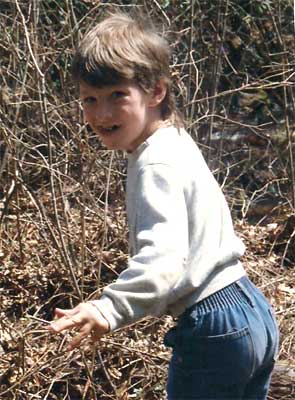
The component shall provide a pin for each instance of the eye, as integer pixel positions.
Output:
(88, 100)
(118, 94)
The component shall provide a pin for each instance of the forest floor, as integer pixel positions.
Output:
(132, 363)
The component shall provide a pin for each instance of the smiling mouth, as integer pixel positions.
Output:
(105, 131)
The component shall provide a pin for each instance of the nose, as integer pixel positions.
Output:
(102, 113)
(98, 114)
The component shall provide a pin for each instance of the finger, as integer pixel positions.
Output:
(83, 333)
(65, 322)
(61, 325)
(96, 336)
(59, 312)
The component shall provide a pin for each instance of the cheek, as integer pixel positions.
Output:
(88, 117)
(138, 112)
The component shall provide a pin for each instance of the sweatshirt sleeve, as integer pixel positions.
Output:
(160, 232)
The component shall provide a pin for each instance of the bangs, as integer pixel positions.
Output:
(94, 75)
(121, 49)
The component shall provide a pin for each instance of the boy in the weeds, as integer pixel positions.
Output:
(184, 257)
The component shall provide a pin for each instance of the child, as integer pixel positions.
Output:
(184, 253)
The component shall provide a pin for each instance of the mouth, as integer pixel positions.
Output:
(106, 131)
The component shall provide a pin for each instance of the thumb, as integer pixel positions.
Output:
(59, 312)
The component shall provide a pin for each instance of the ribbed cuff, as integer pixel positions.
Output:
(106, 307)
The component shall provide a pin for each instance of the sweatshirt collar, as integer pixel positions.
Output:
(132, 157)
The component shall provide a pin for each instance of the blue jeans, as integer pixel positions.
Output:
(224, 347)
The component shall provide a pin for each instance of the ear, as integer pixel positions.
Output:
(158, 93)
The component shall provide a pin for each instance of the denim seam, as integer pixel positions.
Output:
(254, 362)
(243, 290)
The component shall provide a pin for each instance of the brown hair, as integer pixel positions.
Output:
(122, 48)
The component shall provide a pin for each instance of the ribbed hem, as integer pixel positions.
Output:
(226, 297)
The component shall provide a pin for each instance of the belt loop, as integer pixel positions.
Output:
(244, 290)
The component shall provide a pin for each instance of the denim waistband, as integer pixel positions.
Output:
(226, 297)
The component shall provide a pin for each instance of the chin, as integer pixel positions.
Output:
(113, 146)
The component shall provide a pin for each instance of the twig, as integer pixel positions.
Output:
(105, 224)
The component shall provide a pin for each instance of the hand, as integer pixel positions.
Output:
(86, 318)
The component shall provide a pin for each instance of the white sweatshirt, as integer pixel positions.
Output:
(182, 243)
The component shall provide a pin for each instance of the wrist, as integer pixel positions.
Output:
(100, 316)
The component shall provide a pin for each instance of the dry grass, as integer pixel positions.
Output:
(62, 218)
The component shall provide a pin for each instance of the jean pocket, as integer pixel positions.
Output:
(170, 337)
(232, 335)
(232, 352)
(274, 335)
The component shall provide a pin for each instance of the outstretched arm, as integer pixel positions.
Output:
(85, 318)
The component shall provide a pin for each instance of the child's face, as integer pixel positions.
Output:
(122, 115)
